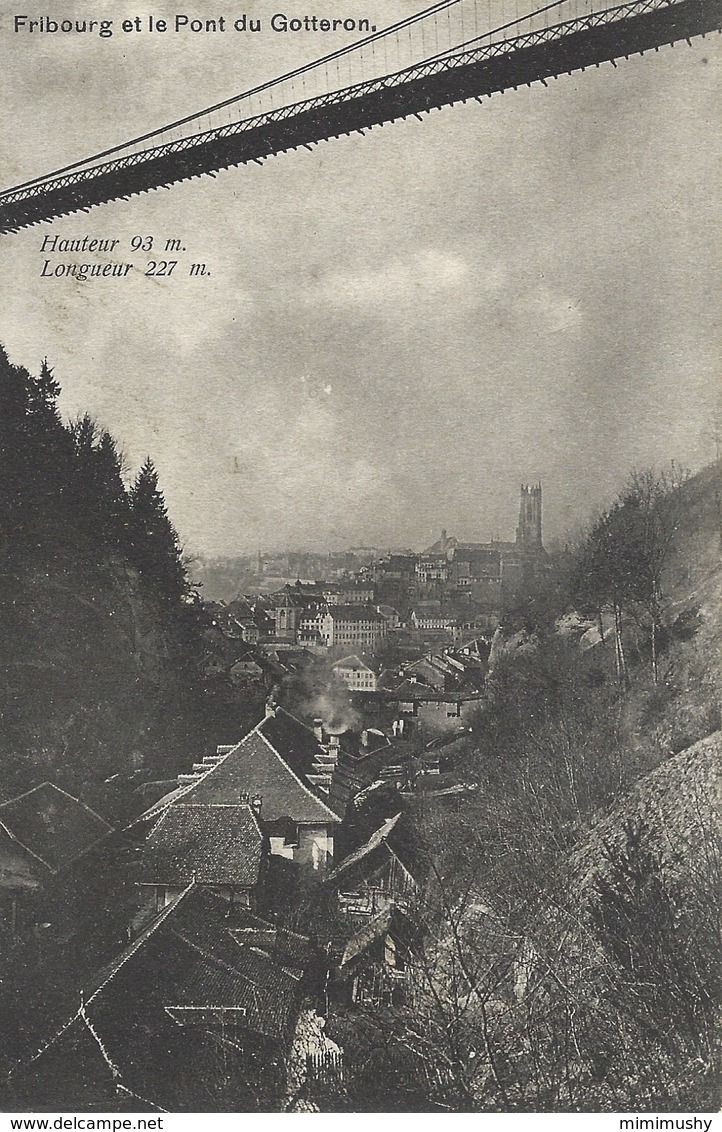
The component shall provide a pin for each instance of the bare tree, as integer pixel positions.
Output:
(625, 557)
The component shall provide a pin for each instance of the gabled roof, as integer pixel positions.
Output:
(397, 837)
(53, 826)
(256, 766)
(375, 840)
(240, 608)
(352, 662)
(410, 690)
(390, 920)
(271, 761)
(211, 844)
(197, 963)
(150, 1010)
(295, 741)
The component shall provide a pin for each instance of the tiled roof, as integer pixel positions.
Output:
(354, 613)
(295, 742)
(52, 825)
(256, 766)
(201, 965)
(144, 1026)
(209, 843)
(272, 761)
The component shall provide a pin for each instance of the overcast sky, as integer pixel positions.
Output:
(400, 328)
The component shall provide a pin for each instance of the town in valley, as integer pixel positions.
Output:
(312, 832)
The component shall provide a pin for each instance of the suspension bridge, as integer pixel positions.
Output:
(451, 52)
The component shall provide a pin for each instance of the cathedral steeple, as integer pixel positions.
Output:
(529, 531)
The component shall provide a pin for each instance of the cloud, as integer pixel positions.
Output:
(425, 275)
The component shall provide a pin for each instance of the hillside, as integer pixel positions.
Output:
(574, 962)
(678, 804)
(103, 665)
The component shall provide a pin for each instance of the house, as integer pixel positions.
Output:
(432, 570)
(419, 704)
(428, 616)
(356, 674)
(42, 834)
(357, 592)
(478, 569)
(376, 761)
(196, 1014)
(393, 617)
(246, 668)
(431, 670)
(281, 767)
(383, 871)
(352, 625)
(217, 846)
(242, 621)
(448, 671)
(373, 967)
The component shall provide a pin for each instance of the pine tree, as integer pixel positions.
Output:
(34, 460)
(42, 402)
(97, 494)
(155, 547)
(111, 494)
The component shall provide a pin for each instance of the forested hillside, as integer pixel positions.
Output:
(572, 961)
(103, 639)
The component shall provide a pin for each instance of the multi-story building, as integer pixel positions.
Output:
(354, 625)
(356, 674)
(432, 570)
(356, 592)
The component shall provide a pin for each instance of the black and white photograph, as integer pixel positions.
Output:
(361, 554)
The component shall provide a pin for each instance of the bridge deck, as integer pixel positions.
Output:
(630, 29)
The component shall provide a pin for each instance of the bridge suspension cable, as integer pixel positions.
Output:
(260, 88)
(357, 87)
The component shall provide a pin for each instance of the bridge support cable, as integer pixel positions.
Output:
(485, 64)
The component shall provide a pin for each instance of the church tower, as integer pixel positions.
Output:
(529, 531)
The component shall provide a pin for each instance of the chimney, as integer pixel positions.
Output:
(256, 804)
(318, 729)
(244, 798)
(364, 738)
